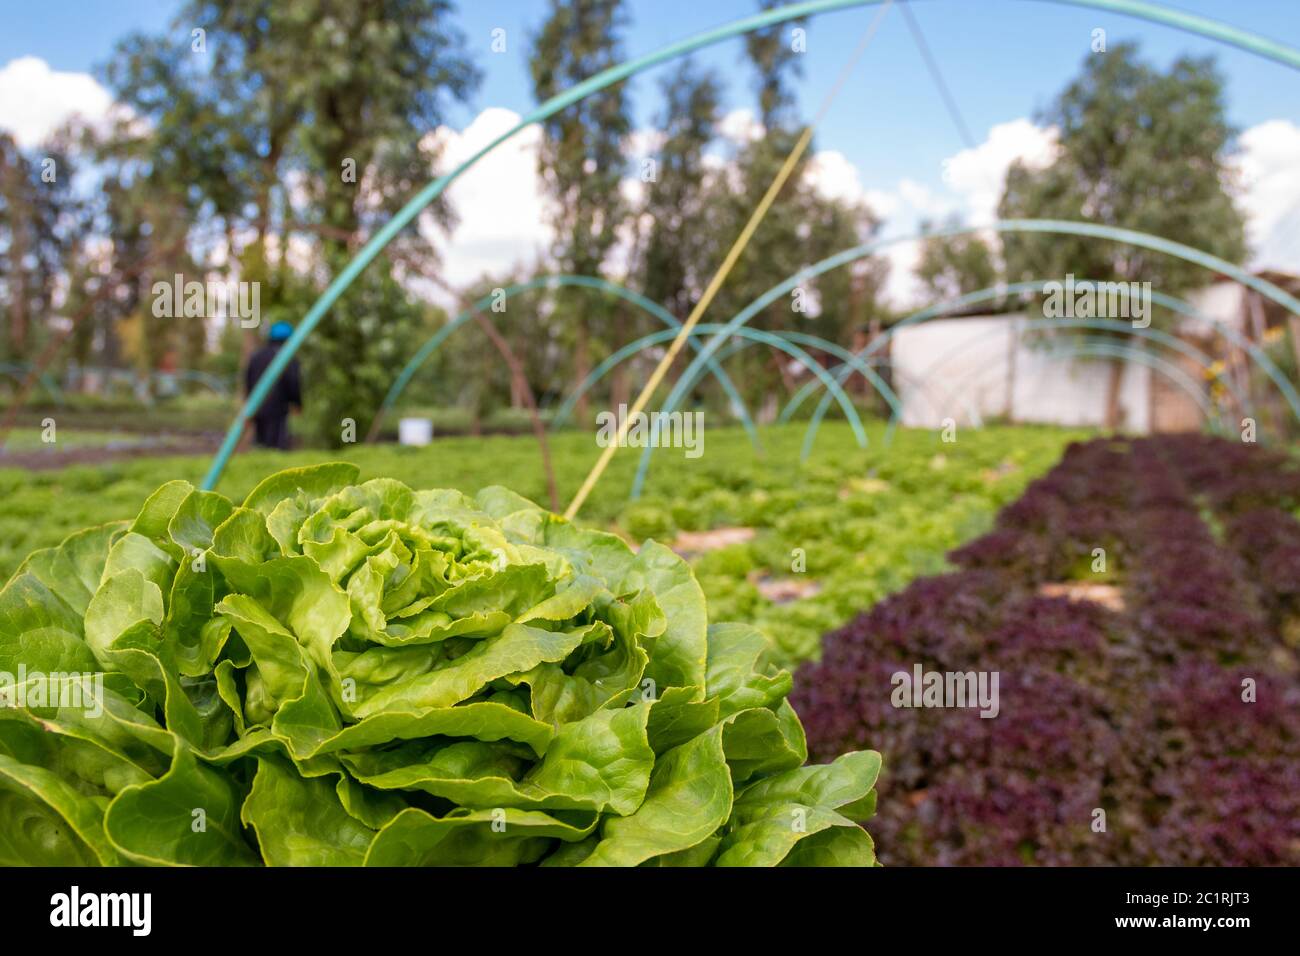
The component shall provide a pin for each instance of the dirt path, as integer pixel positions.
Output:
(50, 459)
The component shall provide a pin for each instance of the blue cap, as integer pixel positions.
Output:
(280, 331)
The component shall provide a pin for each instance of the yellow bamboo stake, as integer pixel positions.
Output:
(720, 276)
(662, 368)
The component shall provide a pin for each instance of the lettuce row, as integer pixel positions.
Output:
(336, 673)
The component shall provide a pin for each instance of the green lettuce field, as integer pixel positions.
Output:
(331, 669)
(867, 520)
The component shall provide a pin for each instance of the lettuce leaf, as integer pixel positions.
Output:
(338, 674)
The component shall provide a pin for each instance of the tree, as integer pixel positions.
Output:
(672, 261)
(381, 77)
(1139, 148)
(581, 156)
(337, 100)
(772, 54)
(151, 224)
(803, 224)
(953, 266)
(34, 200)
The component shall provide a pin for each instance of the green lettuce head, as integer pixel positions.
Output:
(336, 673)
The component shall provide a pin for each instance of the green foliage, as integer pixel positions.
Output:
(775, 63)
(356, 92)
(952, 266)
(675, 246)
(649, 520)
(319, 164)
(1139, 148)
(43, 507)
(31, 242)
(347, 372)
(333, 673)
(581, 162)
(887, 516)
(850, 529)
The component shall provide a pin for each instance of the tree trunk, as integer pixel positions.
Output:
(859, 341)
(249, 339)
(1114, 384)
(787, 379)
(581, 366)
(1293, 323)
(18, 252)
(620, 390)
(519, 385)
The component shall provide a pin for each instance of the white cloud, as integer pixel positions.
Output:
(643, 143)
(884, 203)
(973, 178)
(500, 201)
(902, 288)
(35, 100)
(741, 126)
(969, 187)
(976, 175)
(834, 177)
(925, 203)
(1270, 197)
(970, 181)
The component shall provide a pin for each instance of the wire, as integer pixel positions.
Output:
(932, 65)
(1141, 9)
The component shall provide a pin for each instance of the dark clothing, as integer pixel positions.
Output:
(271, 422)
(271, 432)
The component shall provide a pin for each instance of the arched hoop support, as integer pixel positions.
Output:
(1035, 285)
(752, 336)
(775, 340)
(924, 387)
(1114, 325)
(20, 372)
(1257, 355)
(656, 338)
(972, 414)
(648, 306)
(1050, 226)
(1099, 347)
(895, 414)
(1142, 9)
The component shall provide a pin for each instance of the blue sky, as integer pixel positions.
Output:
(1003, 59)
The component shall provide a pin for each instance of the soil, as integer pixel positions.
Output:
(690, 543)
(784, 590)
(1107, 595)
(50, 459)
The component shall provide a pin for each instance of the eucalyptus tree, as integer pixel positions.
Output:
(1140, 147)
(582, 158)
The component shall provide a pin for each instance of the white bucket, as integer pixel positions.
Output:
(415, 431)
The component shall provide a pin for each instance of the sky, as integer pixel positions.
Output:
(887, 139)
